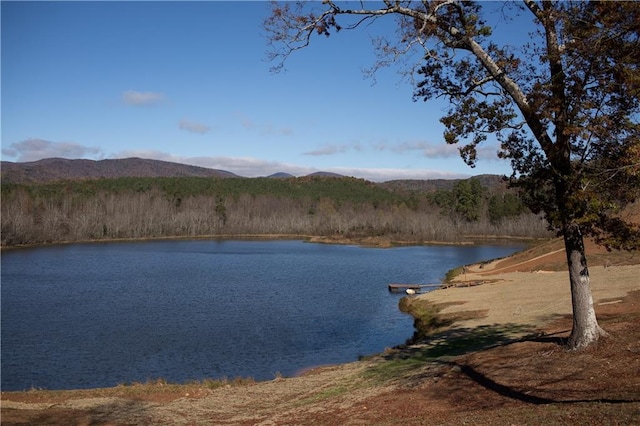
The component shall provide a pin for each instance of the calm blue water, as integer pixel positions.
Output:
(95, 315)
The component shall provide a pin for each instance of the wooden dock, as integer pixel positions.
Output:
(402, 288)
(417, 288)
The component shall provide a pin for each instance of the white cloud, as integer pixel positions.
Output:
(331, 149)
(193, 127)
(254, 167)
(242, 166)
(488, 152)
(150, 154)
(37, 149)
(437, 150)
(428, 150)
(327, 150)
(132, 97)
(383, 175)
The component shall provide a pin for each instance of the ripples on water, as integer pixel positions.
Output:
(94, 315)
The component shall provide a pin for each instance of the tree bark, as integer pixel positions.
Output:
(585, 325)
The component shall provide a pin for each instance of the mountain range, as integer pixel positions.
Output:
(56, 169)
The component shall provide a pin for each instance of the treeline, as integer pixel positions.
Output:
(186, 206)
(469, 201)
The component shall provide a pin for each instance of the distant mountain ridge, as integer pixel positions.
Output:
(57, 169)
(53, 169)
(281, 175)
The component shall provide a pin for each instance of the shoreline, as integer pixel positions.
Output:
(501, 301)
(271, 237)
(369, 242)
(459, 297)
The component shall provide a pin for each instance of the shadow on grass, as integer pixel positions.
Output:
(439, 355)
(512, 393)
(109, 413)
(462, 340)
(443, 346)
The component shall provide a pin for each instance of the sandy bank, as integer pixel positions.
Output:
(531, 298)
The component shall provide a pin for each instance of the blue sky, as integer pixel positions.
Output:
(189, 82)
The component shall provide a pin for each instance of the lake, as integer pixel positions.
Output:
(97, 315)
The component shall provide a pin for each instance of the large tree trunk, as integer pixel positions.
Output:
(585, 325)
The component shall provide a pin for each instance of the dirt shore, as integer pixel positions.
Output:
(503, 365)
(521, 291)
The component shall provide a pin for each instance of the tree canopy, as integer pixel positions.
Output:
(564, 105)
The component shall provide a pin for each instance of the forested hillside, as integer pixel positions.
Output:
(351, 208)
(54, 169)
